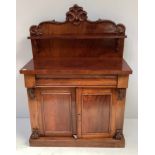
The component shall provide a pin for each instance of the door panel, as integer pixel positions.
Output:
(57, 108)
(96, 112)
(57, 112)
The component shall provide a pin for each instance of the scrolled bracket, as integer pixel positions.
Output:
(120, 28)
(121, 93)
(118, 135)
(31, 93)
(35, 30)
(35, 134)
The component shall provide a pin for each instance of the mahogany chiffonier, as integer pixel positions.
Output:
(76, 82)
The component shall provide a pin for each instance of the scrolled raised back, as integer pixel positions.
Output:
(77, 23)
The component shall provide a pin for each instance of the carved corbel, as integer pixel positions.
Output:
(31, 93)
(118, 135)
(35, 134)
(121, 92)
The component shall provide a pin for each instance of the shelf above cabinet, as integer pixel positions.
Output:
(83, 36)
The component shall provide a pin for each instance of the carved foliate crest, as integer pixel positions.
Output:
(76, 15)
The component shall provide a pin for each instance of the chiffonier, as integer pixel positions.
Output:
(76, 82)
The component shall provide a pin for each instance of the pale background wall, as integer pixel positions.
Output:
(31, 12)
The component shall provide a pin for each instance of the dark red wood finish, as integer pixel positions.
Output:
(76, 82)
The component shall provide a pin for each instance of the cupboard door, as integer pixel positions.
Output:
(57, 109)
(96, 112)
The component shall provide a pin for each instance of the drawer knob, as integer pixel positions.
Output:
(75, 136)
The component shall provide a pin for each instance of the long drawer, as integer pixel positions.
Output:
(109, 81)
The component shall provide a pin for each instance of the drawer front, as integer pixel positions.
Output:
(110, 81)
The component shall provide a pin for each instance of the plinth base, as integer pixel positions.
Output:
(71, 142)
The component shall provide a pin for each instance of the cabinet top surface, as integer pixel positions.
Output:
(79, 66)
